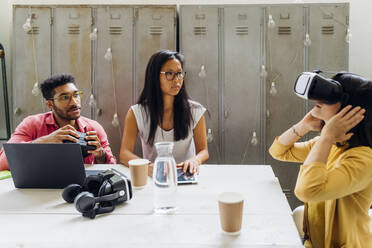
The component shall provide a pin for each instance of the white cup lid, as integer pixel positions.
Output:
(138, 161)
(230, 197)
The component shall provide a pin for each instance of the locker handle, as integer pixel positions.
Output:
(17, 111)
(99, 111)
(226, 114)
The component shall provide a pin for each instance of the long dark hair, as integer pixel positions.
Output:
(151, 98)
(359, 93)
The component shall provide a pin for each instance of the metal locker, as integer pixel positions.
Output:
(113, 79)
(199, 42)
(31, 59)
(4, 103)
(72, 48)
(3, 117)
(328, 25)
(155, 29)
(243, 87)
(284, 50)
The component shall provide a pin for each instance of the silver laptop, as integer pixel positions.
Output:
(45, 165)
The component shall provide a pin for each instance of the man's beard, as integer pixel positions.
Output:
(64, 114)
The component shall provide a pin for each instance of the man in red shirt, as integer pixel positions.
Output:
(63, 98)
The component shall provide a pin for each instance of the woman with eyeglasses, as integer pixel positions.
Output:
(165, 112)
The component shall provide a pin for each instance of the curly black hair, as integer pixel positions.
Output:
(49, 84)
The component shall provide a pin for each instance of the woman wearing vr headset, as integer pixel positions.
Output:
(335, 178)
(165, 112)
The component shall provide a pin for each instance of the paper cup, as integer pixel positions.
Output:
(138, 172)
(231, 212)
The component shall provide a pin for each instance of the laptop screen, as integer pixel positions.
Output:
(45, 165)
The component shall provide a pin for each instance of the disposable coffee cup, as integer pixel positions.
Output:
(231, 212)
(138, 172)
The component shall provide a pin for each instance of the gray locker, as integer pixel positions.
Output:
(4, 104)
(327, 28)
(155, 30)
(3, 127)
(285, 50)
(199, 42)
(72, 48)
(242, 92)
(30, 47)
(115, 31)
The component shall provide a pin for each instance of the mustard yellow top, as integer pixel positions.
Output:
(338, 194)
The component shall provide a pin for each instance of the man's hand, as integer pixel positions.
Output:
(99, 153)
(67, 132)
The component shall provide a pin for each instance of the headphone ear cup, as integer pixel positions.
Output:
(93, 184)
(84, 202)
(70, 192)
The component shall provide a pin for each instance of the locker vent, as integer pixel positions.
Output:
(34, 30)
(284, 30)
(116, 30)
(73, 29)
(241, 30)
(328, 29)
(200, 30)
(156, 30)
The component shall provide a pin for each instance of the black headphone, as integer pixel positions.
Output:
(99, 193)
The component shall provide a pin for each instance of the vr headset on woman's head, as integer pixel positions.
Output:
(312, 86)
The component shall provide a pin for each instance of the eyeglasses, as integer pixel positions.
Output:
(170, 75)
(66, 98)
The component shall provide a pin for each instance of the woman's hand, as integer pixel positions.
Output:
(310, 123)
(337, 127)
(191, 164)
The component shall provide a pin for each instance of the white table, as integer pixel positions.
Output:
(40, 218)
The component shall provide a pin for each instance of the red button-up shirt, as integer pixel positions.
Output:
(35, 126)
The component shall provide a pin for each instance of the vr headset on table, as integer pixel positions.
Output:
(100, 193)
(312, 86)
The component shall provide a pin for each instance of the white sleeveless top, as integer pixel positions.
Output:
(183, 149)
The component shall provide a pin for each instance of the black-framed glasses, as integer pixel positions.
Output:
(66, 98)
(170, 75)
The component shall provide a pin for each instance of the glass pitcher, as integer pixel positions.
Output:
(165, 179)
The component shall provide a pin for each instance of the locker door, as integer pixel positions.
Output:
(328, 27)
(72, 48)
(29, 48)
(242, 85)
(285, 49)
(155, 30)
(199, 42)
(114, 92)
(4, 109)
